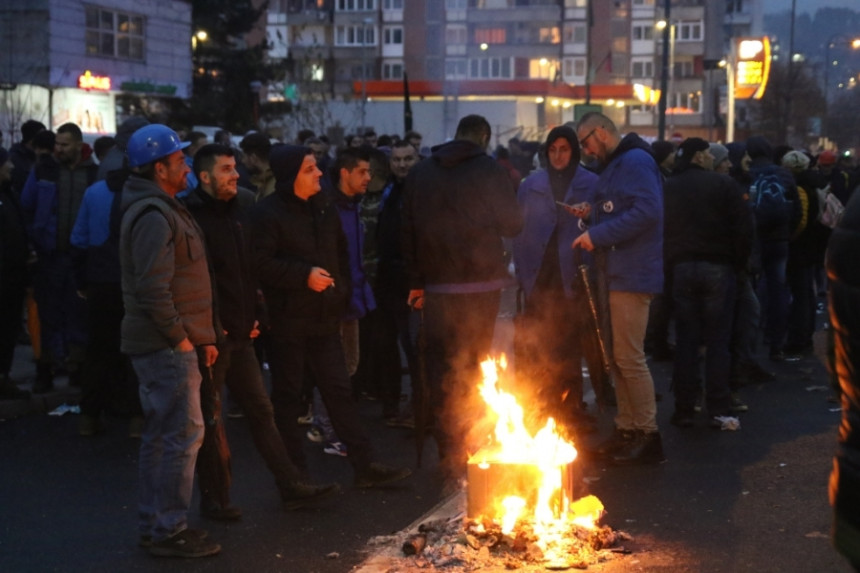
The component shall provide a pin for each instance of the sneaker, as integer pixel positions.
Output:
(299, 494)
(315, 436)
(135, 427)
(335, 449)
(377, 475)
(218, 512)
(737, 404)
(185, 544)
(89, 425)
(146, 540)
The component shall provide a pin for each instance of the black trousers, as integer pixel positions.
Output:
(458, 334)
(12, 292)
(239, 369)
(109, 381)
(323, 356)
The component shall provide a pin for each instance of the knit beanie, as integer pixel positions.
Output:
(285, 161)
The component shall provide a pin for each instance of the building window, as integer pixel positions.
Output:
(683, 70)
(455, 69)
(357, 35)
(455, 35)
(490, 35)
(574, 67)
(355, 5)
(543, 68)
(734, 6)
(686, 102)
(392, 35)
(356, 72)
(575, 33)
(642, 68)
(392, 4)
(490, 68)
(643, 32)
(115, 34)
(689, 32)
(392, 70)
(455, 4)
(575, 3)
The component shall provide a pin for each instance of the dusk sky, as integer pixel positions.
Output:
(810, 5)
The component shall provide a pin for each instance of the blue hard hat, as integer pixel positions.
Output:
(152, 142)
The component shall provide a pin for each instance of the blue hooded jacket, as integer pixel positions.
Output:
(627, 218)
(541, 216)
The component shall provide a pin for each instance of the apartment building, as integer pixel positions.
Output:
(68, 60)
(525, 64)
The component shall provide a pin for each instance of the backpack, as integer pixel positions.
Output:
(830, 208)
(771, 205)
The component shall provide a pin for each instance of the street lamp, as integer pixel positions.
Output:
(854, 43)
(664, 76)
(365, 23)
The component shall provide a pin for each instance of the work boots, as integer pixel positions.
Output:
(617, 441)
(644, 448)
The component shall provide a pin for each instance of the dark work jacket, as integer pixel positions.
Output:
(707, 218)
(224, 225)
(391, 283)
(290, 237)
(843, 273)
(13, 237)
(458, 205)
(807, 246)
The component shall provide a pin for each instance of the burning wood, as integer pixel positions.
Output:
(521, 506)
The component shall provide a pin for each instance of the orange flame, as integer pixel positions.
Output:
(546, 451)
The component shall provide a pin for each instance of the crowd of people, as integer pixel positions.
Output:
(157, 270)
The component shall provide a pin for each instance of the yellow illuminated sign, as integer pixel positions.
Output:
(752, 67)
(87, 81)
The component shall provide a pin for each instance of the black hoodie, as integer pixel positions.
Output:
(457, 207)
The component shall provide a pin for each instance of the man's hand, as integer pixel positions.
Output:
(184, 346)
(255, 330)
(584, 241)
(580, 210)
(416, 298)
(210, 355)
(319, 279)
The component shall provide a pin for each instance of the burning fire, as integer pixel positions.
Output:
(534, 470)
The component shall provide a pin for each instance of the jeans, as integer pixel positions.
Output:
(801, 316)
(774, 293)
(172, 434)
(704, 296)
(62, 313)
(634, 387)
(322, 355)
(745, 330)
(240, 370)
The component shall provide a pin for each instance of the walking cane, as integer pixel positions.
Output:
(420, 392)
(592, 306)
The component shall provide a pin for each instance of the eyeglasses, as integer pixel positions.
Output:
(590, 133)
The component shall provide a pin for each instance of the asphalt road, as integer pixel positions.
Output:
(751, 500)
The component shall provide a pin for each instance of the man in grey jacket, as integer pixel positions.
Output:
(167, 294)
